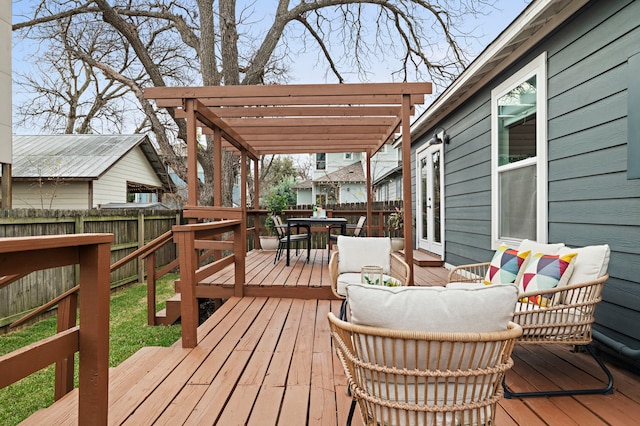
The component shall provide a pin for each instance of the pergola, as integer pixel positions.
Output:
(293, 119)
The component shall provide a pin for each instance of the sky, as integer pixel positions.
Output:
(306, 70)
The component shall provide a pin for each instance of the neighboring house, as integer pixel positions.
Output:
(340, 177)
(544, 133)
(85, 171)
(388, 187)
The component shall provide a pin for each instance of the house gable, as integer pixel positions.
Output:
(132, 168)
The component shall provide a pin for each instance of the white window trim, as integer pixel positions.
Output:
(536, 67)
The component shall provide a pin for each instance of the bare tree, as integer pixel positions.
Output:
(67, 94)
(186, 42)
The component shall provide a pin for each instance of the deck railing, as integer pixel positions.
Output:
(192, 239)
(91, 252)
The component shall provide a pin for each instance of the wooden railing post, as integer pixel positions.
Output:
(188, 302)
(95, 279)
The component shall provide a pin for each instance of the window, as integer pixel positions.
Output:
(348, 155)
(321, 161)
(519, 156)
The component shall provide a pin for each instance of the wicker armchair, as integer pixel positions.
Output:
(357, 248)
(568, 319)
(423, 378)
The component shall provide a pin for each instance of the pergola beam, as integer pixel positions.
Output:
(205, 116)
(303, 111)
(290, 91)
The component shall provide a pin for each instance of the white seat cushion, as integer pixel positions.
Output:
(354, 277)
(356, 252)
(440, 394)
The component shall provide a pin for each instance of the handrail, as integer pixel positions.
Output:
(92, 253)
(8, 279)
(143, 252)
(205, 235)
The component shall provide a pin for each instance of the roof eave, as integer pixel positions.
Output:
(540, 16)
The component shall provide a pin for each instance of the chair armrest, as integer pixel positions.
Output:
(567, 318)
(333, 274)
(577, 295)
(400, 269)
(472, 273)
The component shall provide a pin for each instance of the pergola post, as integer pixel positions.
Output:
(256, 203)
(407, 203)
(217, 168)
(192, 152)
(369, 194)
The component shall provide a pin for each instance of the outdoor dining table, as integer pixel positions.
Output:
(308, 222)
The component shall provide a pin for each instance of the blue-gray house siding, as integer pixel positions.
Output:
(591, 198)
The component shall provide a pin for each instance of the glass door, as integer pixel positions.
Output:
(429, 203)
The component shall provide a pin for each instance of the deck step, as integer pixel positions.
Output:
(423, 258)
(171, 313)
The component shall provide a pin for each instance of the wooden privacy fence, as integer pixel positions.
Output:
(132, 229)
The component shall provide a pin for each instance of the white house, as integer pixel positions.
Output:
(340, 177)
(85, 171)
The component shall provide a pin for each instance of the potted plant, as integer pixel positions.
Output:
(275, 204)
(396, 222)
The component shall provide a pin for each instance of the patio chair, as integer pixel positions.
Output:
(353, 253)
(331, 237)
(426, 355)
(559, 315)
(281, 233)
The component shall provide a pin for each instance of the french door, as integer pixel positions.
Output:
(430, 187)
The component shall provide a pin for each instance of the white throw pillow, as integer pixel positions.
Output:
(356, 252)
(438, 309)
(591, 263)
(536, 247)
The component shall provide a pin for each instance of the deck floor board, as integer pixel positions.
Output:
(270, 361)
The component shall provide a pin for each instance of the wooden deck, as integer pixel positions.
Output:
(300, 279)
(269, 361)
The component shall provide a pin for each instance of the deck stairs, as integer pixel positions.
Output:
(171, 313)
(424, 258)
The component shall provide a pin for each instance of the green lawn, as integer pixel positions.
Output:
(128, 333)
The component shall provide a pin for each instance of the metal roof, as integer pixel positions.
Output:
(78, 157)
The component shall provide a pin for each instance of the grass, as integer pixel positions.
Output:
(128, 332)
